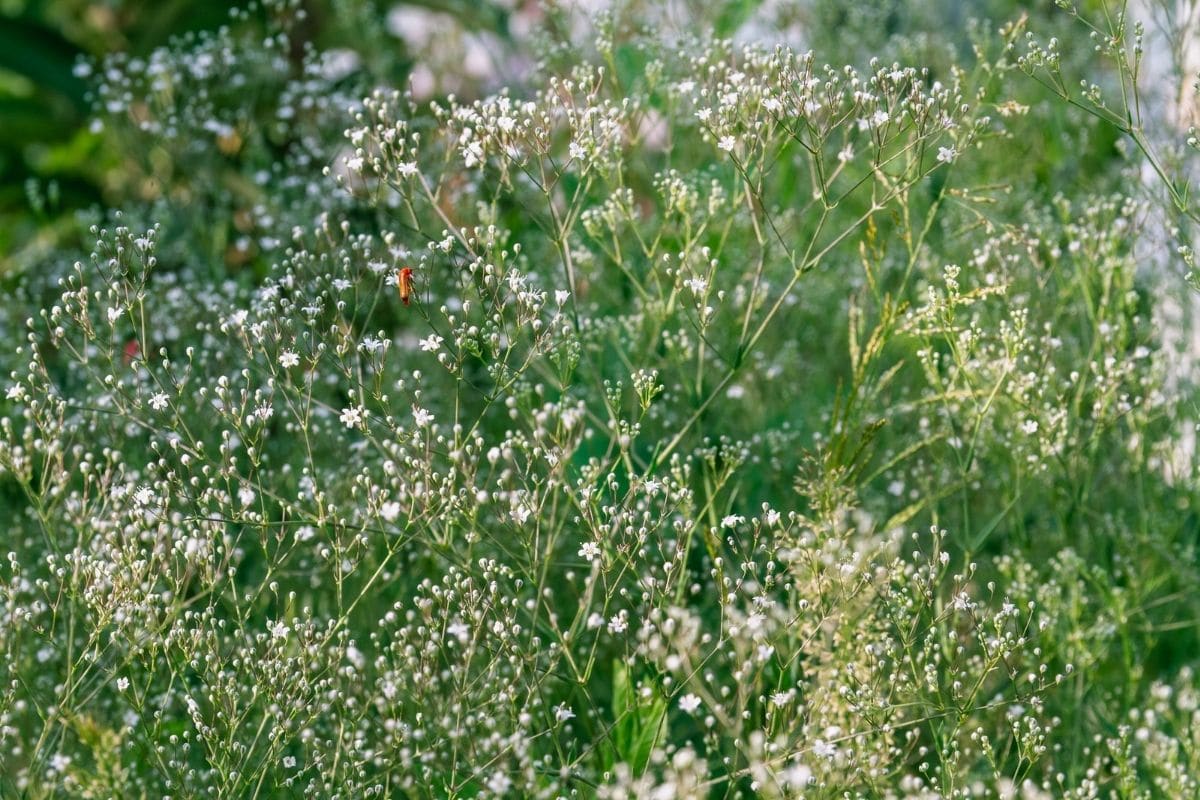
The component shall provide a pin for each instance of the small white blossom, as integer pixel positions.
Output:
(353, 416)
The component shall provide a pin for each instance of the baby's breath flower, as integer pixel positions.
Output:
(353, 416)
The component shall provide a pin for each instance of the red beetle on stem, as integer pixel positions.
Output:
(404, 281)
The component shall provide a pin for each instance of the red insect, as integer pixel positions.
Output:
(404, 281)
(130, 351)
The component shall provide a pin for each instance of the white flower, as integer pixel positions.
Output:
(697, 285)
(732, 520)
(356, 657)
(353, 416)
(824, 749)
(390, 511)
(279, 630)
(431, 343)
(561, 295)
(689, 703)
(288, 359)
(618, 624)
(407, 169)
(1030, 427)
(473, 154)
(521, 512)
(797, 776)
(845, 154)
(15, 392)
(589, 550)
(144, 496)
(727, 143)
(946, 154)
(289, 762)
(460, 631)
(158, 402)
(562, 713)
(576, 151)
(422, 417)
(122, 684)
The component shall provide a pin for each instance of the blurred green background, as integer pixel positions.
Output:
(50, 163)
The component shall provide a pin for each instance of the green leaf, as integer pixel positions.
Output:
(30, 48)
(640, 724)
(733, 15)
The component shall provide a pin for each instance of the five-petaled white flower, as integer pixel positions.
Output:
(288, 359)
(689, 703)
(158, 402)
(353, 416)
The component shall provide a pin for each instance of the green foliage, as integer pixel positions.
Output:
(753, 426)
